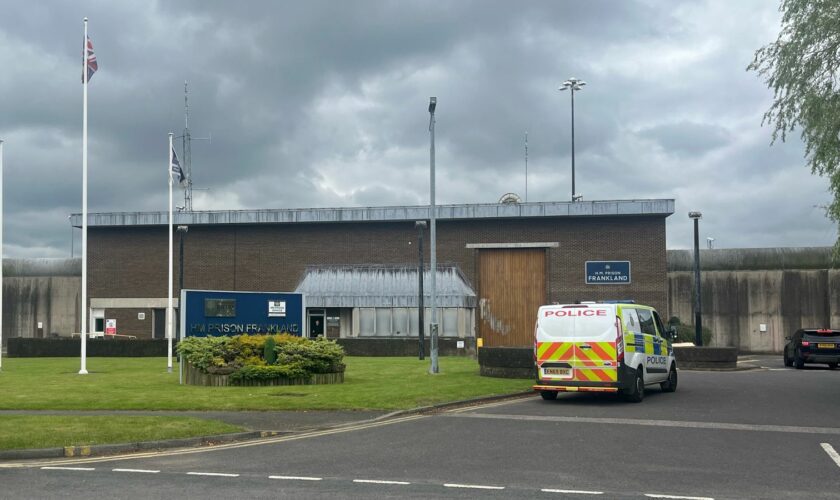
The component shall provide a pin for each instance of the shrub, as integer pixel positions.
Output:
(269, 354)
(260, 357)
(316, 356)
(686, 333)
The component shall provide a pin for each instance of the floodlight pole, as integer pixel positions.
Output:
(573, 84)
(421, 334)
(698, 321)
(433, 326)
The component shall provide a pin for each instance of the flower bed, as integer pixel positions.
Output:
(250, 360)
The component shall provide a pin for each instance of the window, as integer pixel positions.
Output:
(659, 325)
(99, 325)
(367, 318)
(646, 321)
(631, 321)
(383, 321)
(400, 321)
(449, 326)
(220, 308)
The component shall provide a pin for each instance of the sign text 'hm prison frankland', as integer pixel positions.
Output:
(611, 272)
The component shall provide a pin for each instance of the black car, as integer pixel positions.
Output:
(811, 345)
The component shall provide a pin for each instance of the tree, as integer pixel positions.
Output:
(801, 67)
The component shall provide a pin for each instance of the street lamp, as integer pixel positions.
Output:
(573, 84)
(183, 234)
(698, 323)
(420, 225)
(710, 242)
(433, 326)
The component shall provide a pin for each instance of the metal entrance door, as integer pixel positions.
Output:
(511, 290)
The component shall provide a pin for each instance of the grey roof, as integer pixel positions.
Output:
(382, 286)
(754, 259)
(660, 208)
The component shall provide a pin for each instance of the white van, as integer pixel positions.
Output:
(602, 347)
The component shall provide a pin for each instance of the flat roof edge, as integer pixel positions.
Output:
(653, 207)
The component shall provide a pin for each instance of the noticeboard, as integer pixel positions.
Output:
(607, 272)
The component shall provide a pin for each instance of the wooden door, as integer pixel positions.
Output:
(511, 289)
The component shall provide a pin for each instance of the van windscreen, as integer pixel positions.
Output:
(577, 322)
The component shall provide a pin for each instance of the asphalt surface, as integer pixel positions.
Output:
(766, 433)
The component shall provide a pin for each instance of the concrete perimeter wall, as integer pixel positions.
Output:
(781, 288)
(41, 290)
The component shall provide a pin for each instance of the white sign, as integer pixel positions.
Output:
(460, 344)
(110, 327)
(141, 316)
(762, 327)
(40, 325)
(276, 308)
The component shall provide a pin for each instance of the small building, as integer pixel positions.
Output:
(497, 263)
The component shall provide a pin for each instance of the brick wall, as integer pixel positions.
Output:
(131, 261)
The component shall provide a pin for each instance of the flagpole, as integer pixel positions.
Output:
(83, 370)
(169, 312)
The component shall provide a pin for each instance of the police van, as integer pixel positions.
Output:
(602, 347)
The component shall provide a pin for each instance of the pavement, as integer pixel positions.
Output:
(262, 424)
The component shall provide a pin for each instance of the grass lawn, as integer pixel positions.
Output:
(143, 384)
(28, 431)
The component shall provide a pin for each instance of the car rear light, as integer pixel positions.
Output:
(825, 331)
(619, 341)
(805, 343)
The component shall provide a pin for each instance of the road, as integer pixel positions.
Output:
(769, 433)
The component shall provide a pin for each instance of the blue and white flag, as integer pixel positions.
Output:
(176, 172)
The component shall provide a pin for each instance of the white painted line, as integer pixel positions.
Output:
(296, 478)
(831, 453)
(686, 424)
(142, 471)
(677, 497)
(376, 481)
(474, 486)
(217, 474)
(68, 468)
(572, 492)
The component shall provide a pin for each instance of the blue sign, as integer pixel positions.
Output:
(210, 313)
(608, 272)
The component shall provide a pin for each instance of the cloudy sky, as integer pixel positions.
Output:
(324, 104)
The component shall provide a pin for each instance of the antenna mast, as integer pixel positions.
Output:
(186, 147)
(526, 166)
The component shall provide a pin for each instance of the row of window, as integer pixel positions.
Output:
(403, 321)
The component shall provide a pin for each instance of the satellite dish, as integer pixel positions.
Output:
(510, 198)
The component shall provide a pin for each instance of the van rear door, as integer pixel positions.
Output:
(576, 343)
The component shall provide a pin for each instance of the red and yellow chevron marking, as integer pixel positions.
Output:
(597, 353)
(554, 351)
(607, 374)
(589, 363)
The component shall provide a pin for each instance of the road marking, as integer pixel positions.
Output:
(572, 492)
(220, 447)
(474, 486)
(215, 474)
(831, 453)
(142, 471)
(657, 423)
(377, 481)
(68, 468)
(653, 495)
(297, 478)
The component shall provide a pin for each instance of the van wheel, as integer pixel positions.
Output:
(637, 392)
(548, 395)
(670, 385)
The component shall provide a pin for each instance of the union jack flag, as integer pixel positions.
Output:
(90, 61)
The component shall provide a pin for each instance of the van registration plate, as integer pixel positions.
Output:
(825, 346)
(558, 372)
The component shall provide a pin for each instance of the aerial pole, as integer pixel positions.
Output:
(187, 150)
